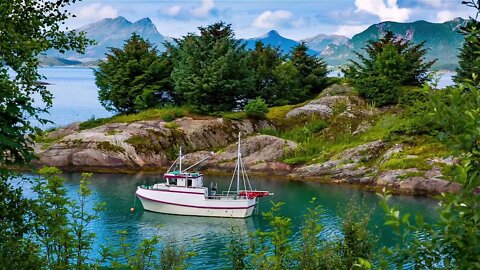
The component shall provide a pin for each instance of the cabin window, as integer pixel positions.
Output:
(189, 183)
(173, 181)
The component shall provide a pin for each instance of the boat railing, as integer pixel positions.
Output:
(226, 195)
(149, 182)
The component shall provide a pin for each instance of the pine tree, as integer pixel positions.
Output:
(263, 61)
(211, 70)
(312, 70)
(134, 77)
(469, 57)
(388, 63)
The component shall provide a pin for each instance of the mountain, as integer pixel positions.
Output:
(113, 33)
(442, 39)
(273, 38)
(322, 42)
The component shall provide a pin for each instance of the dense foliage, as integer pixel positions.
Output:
(389, 63)
(256, 108)
(312, 70)
(209, 72)
(28, 28)
(273, 248)
(134, 78)
(264, 61)
(211, 69)
(469, 57)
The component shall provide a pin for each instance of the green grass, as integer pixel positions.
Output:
(305, 135)
(167, 114)
(109, 147)
(233, 115)
(172, 125)
(397, 162)
(279, 113)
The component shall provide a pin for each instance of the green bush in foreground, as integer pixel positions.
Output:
(274, 248)
(256, 108)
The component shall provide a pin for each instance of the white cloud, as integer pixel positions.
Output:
(269, 19)
(444, 16)
(172, 11)
(97, 11)
(350, 30)
(388, 11)
(433, 3)
(204, 9)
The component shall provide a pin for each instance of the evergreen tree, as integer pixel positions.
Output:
(264, 60)
(288, 88)
(211, 70)
(134, 77)
(388, 63)
(312, 70)
(469, 57)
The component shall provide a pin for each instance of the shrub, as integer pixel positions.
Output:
(256, 108)
(379, 90)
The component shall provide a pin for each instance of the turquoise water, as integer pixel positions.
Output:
(209, 236)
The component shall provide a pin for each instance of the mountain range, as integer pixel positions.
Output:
(442, 39)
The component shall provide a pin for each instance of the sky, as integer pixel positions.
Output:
(295, 19)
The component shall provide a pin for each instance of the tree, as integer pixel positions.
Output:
(211, 69)
(312, 70)
(288, 89)
(134, 77)
(256, 108)
(264, 60)
(395, 61)
(469, 57)
(28, 29)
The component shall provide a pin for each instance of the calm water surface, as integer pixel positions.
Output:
(209, 236)
(75, 95)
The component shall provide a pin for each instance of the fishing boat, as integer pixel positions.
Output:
(183, 193)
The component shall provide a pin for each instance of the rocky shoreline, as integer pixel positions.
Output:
(150, 146)
(88, 151)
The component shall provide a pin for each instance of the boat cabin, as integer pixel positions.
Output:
(184, 179)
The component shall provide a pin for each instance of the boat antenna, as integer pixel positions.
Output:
(180, 159)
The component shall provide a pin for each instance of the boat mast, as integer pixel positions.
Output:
(238, 164)
(180, 159)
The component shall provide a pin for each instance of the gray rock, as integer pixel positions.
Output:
(309, 109)
(393, 177)
(108, 147)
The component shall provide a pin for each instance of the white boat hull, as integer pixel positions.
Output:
(194, 202)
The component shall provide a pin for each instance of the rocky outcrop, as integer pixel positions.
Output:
(143, 145)
(346, 165)
(260, 153)
(349, 167)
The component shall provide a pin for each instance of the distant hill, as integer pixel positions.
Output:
(57, 61)
(113, 33)
(321, 42)
(273, 38)
(442, 39)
